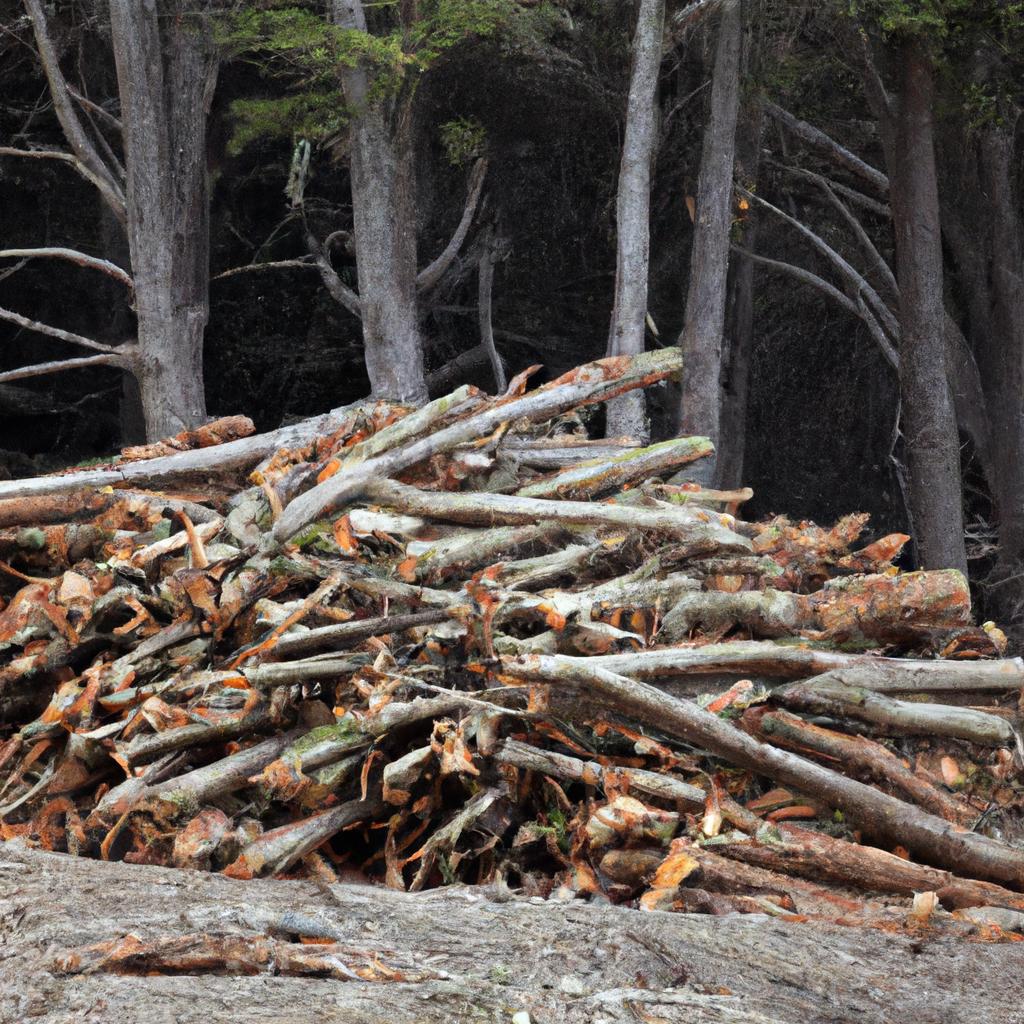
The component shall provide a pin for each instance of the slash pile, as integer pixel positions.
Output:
(466, 643)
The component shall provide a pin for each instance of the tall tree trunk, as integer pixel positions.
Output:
(627, 414)
(119, 327)
(1005, 342)
(928, 419)
(166, 70)
(384, 215)
(701, 338)
(739, 331)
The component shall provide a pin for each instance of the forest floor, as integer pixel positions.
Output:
(475, 956)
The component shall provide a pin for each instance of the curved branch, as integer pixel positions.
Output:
(854, 279)
(805, 276)
(855, 197)
(340, 292)
(113, 123)
(858, 309)
(432, 273)
(64, 108)
(120, 361)
(55, 332)
(303, 261)
(869, 247)
(69, 158)
(817, 139)
(73, 256)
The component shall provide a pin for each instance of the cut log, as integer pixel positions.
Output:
(823, 858)
(776, 972)
(600, 476)
(858, 753)
(594, 382)
(796, 661)
(235, 457)
(878, 814)
(830, 694)
(876, 607)
(705, 533)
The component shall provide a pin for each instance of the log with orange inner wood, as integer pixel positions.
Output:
(469, 643)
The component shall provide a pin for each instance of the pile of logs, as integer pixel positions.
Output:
(466, 643)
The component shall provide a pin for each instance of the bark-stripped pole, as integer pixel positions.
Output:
(627, 415)
(701, 338)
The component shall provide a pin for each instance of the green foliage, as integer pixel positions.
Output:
(463, 140)
(314, 114)
(940, 20)
(294, 41)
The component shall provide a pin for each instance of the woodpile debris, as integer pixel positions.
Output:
(466, 643)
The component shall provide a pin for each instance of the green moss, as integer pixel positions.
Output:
(463, 140)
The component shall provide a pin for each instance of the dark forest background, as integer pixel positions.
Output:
(823, 404)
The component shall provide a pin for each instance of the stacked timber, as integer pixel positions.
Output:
(468, 643)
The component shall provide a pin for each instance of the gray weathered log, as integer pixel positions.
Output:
(497, 955)
(592, 382)
(878, 814)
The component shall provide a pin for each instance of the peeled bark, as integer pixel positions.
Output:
(701, 338)
(627, 414)
(166, 71)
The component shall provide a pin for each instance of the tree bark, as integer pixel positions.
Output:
(1003, 347)
(701, 338)
(384, 221)
(928, 422)
(627, 414)
(740, 315)
(166, 71)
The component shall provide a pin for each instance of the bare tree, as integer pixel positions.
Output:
(166, 73)
(627, 415)
(739, 326)
(928, 418)
(701, 338)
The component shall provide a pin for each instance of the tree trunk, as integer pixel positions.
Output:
(701, 338)
(740, 315)
(928, 420)
(166, 70)
(1003, 346)
(627, 414)
(384, 216)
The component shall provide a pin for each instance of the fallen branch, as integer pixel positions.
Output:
(877, 813)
